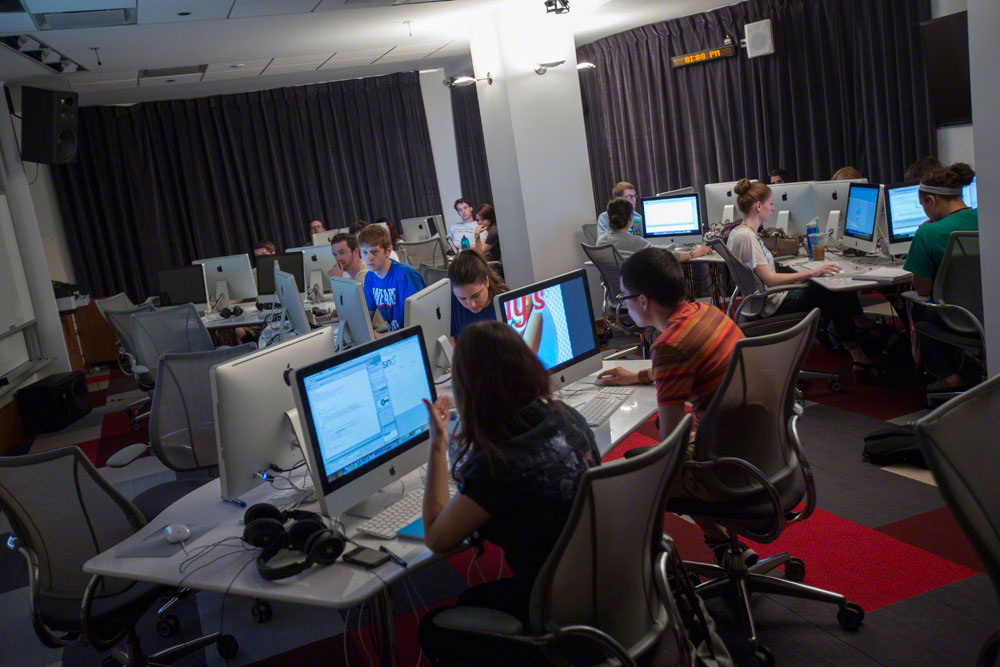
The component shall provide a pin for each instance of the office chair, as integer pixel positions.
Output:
(608, 261)
(62, 513)
(957, 297)
(121, 323)
(118, 301)
(616, 597)
(750, 462)
(589, 233)
(427, 252)
(747, 314)
(173, 329)
(957, 442)
(431, 274)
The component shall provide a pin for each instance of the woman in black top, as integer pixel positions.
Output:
(486, 219)
(519, 459)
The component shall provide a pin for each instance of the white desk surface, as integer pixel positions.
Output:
(250, 317)
(851, 266)
(339, 585)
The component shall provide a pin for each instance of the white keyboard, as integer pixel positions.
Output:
(398, 515)
(323, 320)
(599, 409)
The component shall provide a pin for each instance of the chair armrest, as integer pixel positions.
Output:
(762, 479)
(138, 369)
(763, 295)
(125, 456)
(34, 594)
(793, 441)
(480, 620)
(911, 295)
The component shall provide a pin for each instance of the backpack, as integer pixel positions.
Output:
(894, 444)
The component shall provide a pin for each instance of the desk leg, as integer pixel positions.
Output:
(714, 273)
(384, 625)
(688, 280)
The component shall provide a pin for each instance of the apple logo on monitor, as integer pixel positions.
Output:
(784, 196)
(729, 193)
(834, 195)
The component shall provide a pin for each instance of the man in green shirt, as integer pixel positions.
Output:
(941, 197)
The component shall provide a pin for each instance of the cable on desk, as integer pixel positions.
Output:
(222, 608)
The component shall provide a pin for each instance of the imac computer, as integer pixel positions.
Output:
(229, 278)
(363, 418)
(249, 400)
(326, 238)
(417, 229)
(185, 284)
(860, 225)
(431, 309)
(290, 299)
(318, 262)
(354, 325)
(289, 262)
(903, 215)
(556, 320)
(679, 191)
(830, 204)
(969, 195)
(793, 207)
(672, 219)
(719, 197)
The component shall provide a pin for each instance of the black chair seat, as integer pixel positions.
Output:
(109, 614)
(949, 336)
(153, 501)
(752, 327)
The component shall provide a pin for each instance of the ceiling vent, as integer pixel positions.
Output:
(358, 4)
(101, 18)
(38, 51)
(165, 72)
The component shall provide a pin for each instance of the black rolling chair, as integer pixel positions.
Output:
(747, 454)
(958, 443)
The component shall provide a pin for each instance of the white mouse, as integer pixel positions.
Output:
(176, 532)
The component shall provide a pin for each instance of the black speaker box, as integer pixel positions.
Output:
(48, 125)
(54, 402)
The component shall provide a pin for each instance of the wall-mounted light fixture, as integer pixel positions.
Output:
(557, 6)
(542, 68)
(586, 65)
(468, 80)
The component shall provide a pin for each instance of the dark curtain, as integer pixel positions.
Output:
(845, 86)
(159, 184)
(473, 169)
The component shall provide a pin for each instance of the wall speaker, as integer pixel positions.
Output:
(48, 125)
(759, 40)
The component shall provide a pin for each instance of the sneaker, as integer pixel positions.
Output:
(720, 549)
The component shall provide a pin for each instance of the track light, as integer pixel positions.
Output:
(542, 68)
(586, 65)
(461, 81)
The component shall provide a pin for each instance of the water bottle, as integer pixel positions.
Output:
(812, 235)
(465, 243)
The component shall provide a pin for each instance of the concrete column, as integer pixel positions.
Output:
(535, 139)
(441, 126)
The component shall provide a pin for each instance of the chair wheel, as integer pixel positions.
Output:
(761, 657)
(136, 426)
(227, 646)
(109, 661)
(850, 616)
(795, 569)
(835, 385)
(126, 413)
(261, 611)
(168, 625)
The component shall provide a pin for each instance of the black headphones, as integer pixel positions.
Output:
(235, 311)
(265, 528)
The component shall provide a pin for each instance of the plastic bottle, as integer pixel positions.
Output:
(812, 235)
(465, 243)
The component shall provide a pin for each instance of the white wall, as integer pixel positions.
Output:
(50, 223)
(441, 127)
(955, 143)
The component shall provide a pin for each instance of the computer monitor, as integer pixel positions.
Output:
(431, 309)
(903, 215)
(863, 203)
(831, 196)
(969, 195)
(363, 417)
(319, 260)
(290, 299)
(249, 399)
(354, 325)
(672, 219)
(718, 196)
(185, 284)
(793, 204)
(229, 278)
(289, 262)
(417, 229)
(556, 319)
(326, 238)
(679, 191)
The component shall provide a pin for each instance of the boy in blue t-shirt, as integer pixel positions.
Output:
(387, 283)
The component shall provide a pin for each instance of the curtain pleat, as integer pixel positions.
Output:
(473, 169)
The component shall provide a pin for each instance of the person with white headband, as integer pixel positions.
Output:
(941, 197)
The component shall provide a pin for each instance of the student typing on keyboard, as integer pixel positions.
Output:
(520, 457)
(690, 357)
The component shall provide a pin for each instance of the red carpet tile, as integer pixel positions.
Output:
(938, 532)
(98, 398)
(98, 378)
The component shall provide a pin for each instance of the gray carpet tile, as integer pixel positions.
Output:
(18, 643)
(13, 568)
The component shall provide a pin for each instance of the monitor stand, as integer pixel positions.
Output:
(728, 213)
(782, 222)
(345, 339)
(441, 355)
(315, 283)
(221, 296)
(832, 226)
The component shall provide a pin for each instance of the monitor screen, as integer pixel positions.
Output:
(904, 211)
(185, 284)
(555, 319)
(289, 262)
(862, 211)
(365, 406)
(672, 215)
(969, 196)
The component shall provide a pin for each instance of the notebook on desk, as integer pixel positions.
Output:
(886, 274)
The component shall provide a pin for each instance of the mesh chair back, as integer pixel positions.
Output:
(66, 513)
(958, 441)
(958, 281)
(431, 274)
(611, 589)
(422, 252)
(119, 301)
(749, 416)
(181, 420)
(589, 233)
(121, 323)
(746, 280)
(608, 261)
(174, 329)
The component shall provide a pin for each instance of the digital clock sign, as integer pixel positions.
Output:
(705, 56)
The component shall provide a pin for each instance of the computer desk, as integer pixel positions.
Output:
(338, 586)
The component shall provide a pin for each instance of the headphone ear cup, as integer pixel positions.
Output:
(237, 311)
(300, 532)
(226, 313)
(261, 511)
(264, 533)
(324, 547)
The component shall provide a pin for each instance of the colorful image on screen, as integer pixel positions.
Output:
(862, 207)
(553, 321)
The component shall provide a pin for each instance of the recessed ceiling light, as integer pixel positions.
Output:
(171, 80)
(237, 66)
(183, 13)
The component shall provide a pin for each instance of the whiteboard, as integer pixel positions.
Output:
(15, 301)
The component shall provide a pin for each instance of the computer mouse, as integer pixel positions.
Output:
(176, 532)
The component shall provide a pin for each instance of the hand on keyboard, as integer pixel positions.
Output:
(824, 270)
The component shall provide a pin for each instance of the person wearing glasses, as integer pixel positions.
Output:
(625, 190)
(473, 286)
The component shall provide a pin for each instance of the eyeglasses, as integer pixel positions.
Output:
(622, 298)
(632, 197)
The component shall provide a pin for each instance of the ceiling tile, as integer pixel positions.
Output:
(233, 66)
(285, 69)
(103, 85)
(355, 62)
(101, 77)
(314, 60)
(421, 48)
(166, 11)
(15, 23)
(362, 54)
(244, 8)
(328, 5)
(169, 80)
(46, 6)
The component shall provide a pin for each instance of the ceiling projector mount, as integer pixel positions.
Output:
(557, 6)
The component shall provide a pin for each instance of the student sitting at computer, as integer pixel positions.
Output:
(520, 457)
(388, 283)
(920, 168)
(473, 286)
(779, 175)
(620, 220)
(466, 229)
(756, 202)
(690, 356)
(941, 198)
(349, 265)
(356, 227)
(625, 190)
(316, 227)
(486, 226)
(846, 174)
